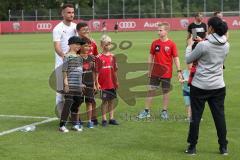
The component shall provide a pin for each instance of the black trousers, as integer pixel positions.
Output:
(215, 99)
(71, 105)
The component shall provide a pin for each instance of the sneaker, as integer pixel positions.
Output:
(104, 123)
(191, 150)
(164, 114)
(77, 128)
(223, 151)
(144, 114)
(95, 122)
(63, 129)
(90, 124)
(113, 122)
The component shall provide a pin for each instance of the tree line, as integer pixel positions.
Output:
(131, 7)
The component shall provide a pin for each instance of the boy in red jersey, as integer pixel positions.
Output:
(106, 80)
(84, 32)
(162, 53)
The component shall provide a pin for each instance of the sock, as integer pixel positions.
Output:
(164, 110)
(62, 123)
(76, 123)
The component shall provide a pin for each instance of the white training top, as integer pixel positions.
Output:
(61, 33)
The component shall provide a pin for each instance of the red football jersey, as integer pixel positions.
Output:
(163, 54)
(106, 66)
(93, 50)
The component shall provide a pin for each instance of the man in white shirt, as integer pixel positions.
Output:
(61, 33)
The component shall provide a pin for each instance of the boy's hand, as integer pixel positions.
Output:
(66, 88)
(83, 87)
(180, 77)
(181, 81)
(95, 89)
(98, 87)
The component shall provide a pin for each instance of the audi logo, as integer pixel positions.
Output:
(127, 25)
(44, 26)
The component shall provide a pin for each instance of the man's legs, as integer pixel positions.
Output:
(59, 87)
(59, 104)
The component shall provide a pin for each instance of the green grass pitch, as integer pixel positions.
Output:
(27, 60)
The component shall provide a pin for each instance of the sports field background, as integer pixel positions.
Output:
(27, 61)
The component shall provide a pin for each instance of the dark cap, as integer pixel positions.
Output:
(74, 40)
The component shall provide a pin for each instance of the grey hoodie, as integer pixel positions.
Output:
(210, 55)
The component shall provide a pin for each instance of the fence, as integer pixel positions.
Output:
(133, 9)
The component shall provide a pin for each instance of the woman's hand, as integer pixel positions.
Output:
(198, 39)
(190, 42)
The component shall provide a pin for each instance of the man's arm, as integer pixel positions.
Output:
(58, 49)
(64, 70)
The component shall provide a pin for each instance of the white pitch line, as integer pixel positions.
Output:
(35, 124)
(19, 116)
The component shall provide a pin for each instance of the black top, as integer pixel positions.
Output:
(199, 29)
(88, 68)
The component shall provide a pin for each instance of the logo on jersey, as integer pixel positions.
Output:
(166, 48)
(86, 66)
(157, 48)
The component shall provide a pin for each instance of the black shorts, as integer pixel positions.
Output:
(155, 83)
(88, 95)
(108, 94)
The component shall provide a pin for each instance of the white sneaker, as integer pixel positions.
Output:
(63, 129)
(144, 115)
(77, 128)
